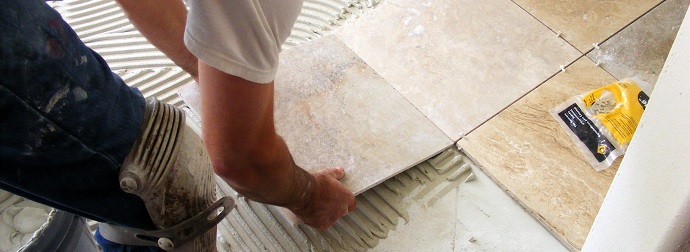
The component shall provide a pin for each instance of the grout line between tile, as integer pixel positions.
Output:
(548, 78)
(523, 95)
(602, 68)
(578, 58)
(625, 26)
(619, 31)
(606, 39)
(547, 27)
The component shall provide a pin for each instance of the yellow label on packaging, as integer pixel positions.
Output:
(630, 104)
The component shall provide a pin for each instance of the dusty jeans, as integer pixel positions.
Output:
(66, 121)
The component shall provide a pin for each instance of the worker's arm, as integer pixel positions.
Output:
(162, 22)
(246, 151)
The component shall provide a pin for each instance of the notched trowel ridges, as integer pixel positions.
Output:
(379, 210)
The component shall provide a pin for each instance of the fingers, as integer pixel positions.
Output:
(332, 201)
(323, 226)
(337, 173)
(344, 212)
(352, 205)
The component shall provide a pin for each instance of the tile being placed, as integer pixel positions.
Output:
(528, 154)
(584, 22)
(458, 62)
(332, 109)
(640, 49)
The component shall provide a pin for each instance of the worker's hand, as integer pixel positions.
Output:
(327, 200)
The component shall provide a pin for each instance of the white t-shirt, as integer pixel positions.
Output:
(240, 37)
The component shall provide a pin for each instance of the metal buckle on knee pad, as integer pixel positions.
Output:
(175, 236)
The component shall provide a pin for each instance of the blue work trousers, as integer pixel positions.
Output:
(66, 121)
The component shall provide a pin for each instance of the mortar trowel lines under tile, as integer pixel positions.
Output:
(379, 211)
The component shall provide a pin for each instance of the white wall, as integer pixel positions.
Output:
(647, 207)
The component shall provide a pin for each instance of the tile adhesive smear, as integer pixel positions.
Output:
(254, 226)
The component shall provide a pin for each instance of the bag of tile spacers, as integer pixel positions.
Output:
(602, 122)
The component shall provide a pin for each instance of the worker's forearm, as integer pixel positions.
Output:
(162, 22)
(269, 175)
(239, 134)
(240, 137)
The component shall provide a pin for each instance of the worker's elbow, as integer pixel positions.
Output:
(228, 167)
(235, 166)
(221, 168)
(245, 162)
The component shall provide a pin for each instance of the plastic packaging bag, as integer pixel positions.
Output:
(602, 122)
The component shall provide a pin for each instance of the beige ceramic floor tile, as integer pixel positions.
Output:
(584, 22)
(459, 62)
(525, 151)
(332, 109)
(640, 49)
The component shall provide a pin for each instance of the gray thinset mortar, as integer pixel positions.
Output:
(254, 226)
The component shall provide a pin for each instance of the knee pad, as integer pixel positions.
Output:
(170, 170)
